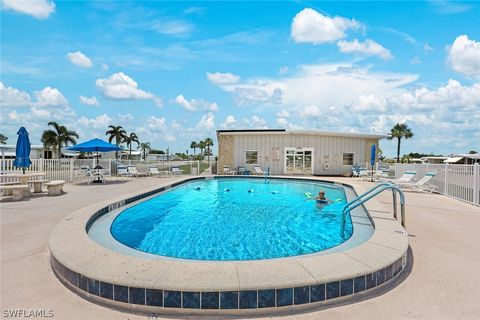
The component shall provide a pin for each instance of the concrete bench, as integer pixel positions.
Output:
(37, 185)
(55, 187)
(9, 191)
(16, 190)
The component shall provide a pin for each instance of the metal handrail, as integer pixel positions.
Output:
(374, 192)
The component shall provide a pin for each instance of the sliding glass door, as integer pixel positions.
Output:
(298, 160)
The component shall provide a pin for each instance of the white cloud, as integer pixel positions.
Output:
(282, 122)
(101, 121)
(195, 104)
(47, 97)
(427, 48)
(464, 56)
(229, 123)
(368, 48)
(222, 78)
(40, 9)
(89, 101)
(322, 85)
(283, 70)
(283, 114)
(207, 122)
(79, 59)
(255, 122)
(105, 66)
(173, 27)
(313, 27)
(119, 86)
(416, 60)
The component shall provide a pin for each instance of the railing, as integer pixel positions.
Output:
(459, 181)
(379, 188)
(65, 169)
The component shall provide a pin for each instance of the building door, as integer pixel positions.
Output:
(298, 161)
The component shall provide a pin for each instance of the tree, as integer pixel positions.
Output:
(472, 152)
(208, 144)
(129, 140)
(59, 137)
(117, 133)
(201, 146)
(193, 146)
(145, 147)
(406, 159)
(3, 139)
(399, 131)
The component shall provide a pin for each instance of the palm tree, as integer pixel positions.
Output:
(208, 144)
(3, 139)
(399, 131)
(59, 137)
(117, 133)
(145, 147)
(129, 140)
(193, 146)
(201, 145)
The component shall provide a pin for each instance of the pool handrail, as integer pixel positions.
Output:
(374, 192)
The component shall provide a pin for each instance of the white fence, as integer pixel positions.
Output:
(64, 169)
(458, 181)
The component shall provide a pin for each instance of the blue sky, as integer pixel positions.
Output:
(174, 72)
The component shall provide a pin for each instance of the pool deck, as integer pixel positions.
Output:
(443, 281)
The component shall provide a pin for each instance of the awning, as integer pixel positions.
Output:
(453, 160)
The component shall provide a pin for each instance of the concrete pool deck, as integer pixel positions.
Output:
(443, 282)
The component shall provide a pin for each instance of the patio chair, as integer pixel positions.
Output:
(227, 170)
(134, 172)
(258, 171)
(420, 185)
(405, 178)
(176, 170)
(153, 171)
(123, 172)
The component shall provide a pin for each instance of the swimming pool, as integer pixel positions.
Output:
(236, 219)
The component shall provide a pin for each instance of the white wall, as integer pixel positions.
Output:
(323, 146)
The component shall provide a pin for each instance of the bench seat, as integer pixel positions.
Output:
(55, 187)
(17, 190)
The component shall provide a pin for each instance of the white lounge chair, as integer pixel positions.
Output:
(123, 172)
(134, 172)
(258, 171)
(176, 170)
(420, 185)
(227, 170)
(405, 178)
(153, 171)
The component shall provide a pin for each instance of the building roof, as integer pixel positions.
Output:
(309, 132)
(13, 146)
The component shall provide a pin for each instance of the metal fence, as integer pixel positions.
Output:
(66, 169)
(459, 181)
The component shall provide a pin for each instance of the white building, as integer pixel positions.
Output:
(295, 152)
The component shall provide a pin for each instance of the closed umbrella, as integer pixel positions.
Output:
(22, 152)
(372, 157)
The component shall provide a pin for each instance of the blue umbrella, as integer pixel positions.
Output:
(95, 145)
(372, 158)
(372, 155)
(22, 153)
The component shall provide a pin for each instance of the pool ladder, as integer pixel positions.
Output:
(379, 188)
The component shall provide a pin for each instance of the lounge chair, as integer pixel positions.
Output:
(153, 171)
(420, 185)
(258, 171)
(134, 172)
(176, 170)
(405, 178)
(123, 172)
(227, 170)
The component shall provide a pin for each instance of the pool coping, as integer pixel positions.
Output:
(192, 285)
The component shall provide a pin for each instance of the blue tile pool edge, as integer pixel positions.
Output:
(224, 300)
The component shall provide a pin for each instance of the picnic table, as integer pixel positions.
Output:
(24, 179)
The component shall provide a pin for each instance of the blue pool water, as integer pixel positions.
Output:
(220, 219)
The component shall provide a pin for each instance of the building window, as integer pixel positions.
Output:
(348, 159)
(251, 157)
